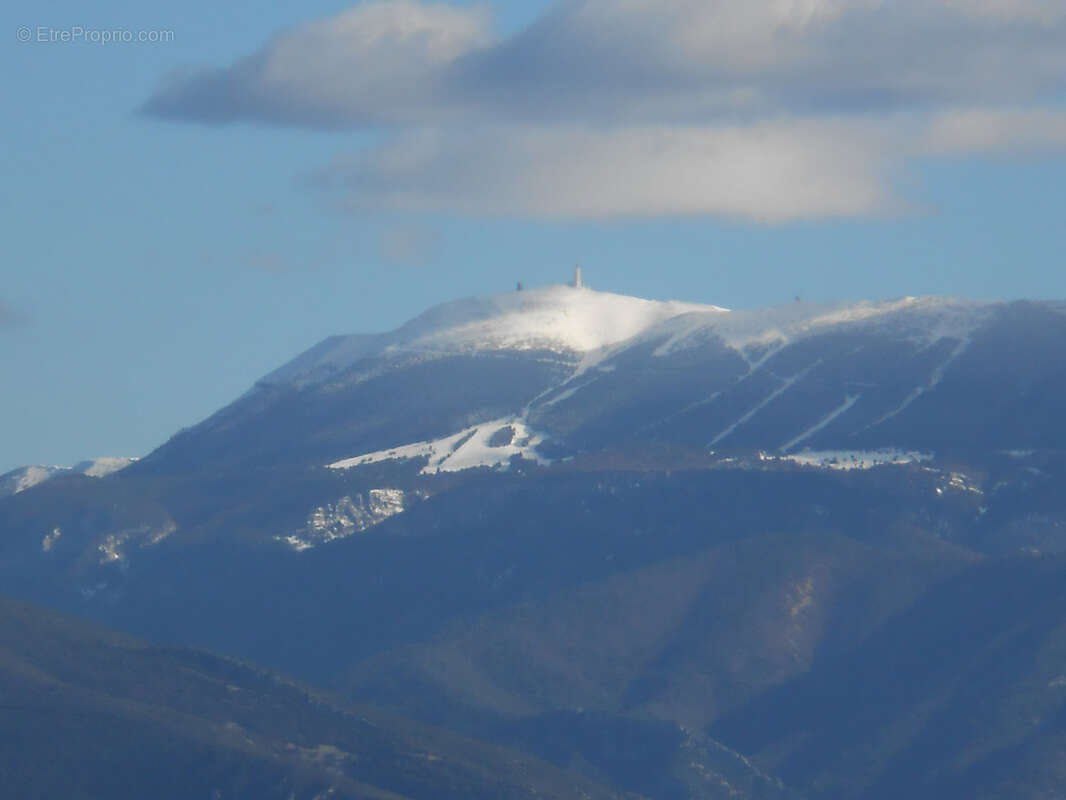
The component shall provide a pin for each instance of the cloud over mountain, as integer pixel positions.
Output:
(789, 109)
(767, 172)
(376, 62)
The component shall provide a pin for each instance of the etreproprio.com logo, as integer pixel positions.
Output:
(74, 34)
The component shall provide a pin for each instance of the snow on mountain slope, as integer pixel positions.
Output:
(558, 318)
(597, 331)
(489, 444)
(23, 478)
(347, 516)
(589, 323)
(758, 335)
(99, 467)
(924, 319)
(853, 459)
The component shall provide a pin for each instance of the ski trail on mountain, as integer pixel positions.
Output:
(832, 415)
(934, 379)
(784, 387)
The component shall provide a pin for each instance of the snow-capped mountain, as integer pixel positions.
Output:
(529, 380)
(552, 515)
(589, 323)
(578, 370)
(23, 478)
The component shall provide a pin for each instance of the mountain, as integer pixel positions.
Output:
(960, 696)
(677, 550)
(87, 713)
(23, 478)
(583, 370)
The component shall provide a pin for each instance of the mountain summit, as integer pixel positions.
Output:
(554, 318)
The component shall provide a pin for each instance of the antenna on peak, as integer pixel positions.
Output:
(576, 282)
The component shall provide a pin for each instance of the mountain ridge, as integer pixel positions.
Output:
(22, 478)
(836, 376)
(615, 556)
(581, 320)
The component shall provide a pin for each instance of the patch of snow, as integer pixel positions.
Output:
(466, 449)
(961, 482)
(801, 597)
(566, 394)
(48, 542)
(100, 467)
(27, 477)
(853, 459)
(1019, 454)
(112, 546)
(770, 349)
(295, 542)
(24, 478)
(157, 535)
(684, 329)
(348, 516)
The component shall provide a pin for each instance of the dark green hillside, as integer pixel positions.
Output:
(89, 714)
(962, 695)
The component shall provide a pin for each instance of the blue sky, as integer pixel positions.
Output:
(183, 216)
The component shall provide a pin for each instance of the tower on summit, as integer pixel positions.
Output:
(576, 282)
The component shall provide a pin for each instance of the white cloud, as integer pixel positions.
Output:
(1046, 12)
(787, 169)
(982, 131)
(805, 55)
(379, 61)
(773, 110)
(737, 35)
(771, 172)
(640, 60)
